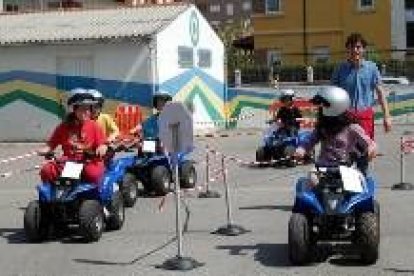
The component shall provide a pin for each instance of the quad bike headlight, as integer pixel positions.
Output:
(332, 203)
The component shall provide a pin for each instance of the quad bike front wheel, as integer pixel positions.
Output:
(116, 212)
(188, 175)
(129, 190)
(160, 180)
(299, 239)
(36, 225)
(368, 237)
(91, 220)
(262, 155)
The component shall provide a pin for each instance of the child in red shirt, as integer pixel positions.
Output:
(76, 135)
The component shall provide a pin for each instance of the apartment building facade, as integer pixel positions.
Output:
(306, 32)
(220, 12)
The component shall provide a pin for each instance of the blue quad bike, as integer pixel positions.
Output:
(331, 212)
(128, 185)
(278, 146)
(71, 202)
(153, 168)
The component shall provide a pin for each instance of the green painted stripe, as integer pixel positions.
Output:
(42, 103)
(211, 109)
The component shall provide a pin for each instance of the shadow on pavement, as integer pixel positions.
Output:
(398, 270)
(125, 263)
(13, 235)
(347, 261)
(267, 254)
(286, 208)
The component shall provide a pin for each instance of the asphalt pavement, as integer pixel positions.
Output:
(261, 198)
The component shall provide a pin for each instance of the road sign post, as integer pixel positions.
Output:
(176, 134)
(403, 185)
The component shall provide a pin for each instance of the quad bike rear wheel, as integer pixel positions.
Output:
(188, 175)
(299, 239)
(129, 190)
(116, 212)
(160, 180)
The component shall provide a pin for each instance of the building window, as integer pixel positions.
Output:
(273, 6)
(366, 4)
(215, 8)
(215, 24)
(410, 34)
(247, 6)
(321, 54)
(185, 57)
(230, 9)
(274, 58)
(409, 4)
(204, 58)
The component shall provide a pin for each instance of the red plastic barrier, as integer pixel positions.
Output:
(127, 117)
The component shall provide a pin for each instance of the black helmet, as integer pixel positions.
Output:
(287, 95)
(163, 96)
(81, 98)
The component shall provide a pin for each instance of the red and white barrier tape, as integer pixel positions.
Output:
(11, 159)
(242, 162)
(226, 135)
(224, 121)
(11, 173)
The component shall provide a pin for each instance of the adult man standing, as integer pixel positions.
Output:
(361, 78)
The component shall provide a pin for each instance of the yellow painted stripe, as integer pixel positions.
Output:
(40, 90)
(215, 100)
(232, 106)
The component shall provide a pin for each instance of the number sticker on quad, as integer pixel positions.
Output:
(72, 170)
(352, 179)
(148, 146)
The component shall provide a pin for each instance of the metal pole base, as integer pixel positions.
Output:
(209, 194)
(231, 230)
(403, 186)
(181, 264)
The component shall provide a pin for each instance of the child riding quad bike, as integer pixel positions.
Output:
(70, 201)
(282, 137)
(336, 202)
(75, 189)
(154, 170)
(279, 147)
(335, 210)
(153, 166)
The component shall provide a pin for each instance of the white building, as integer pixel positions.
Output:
(127, 53)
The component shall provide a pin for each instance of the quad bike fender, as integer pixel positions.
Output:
(362, 202)
(306, 200)
(120, 164)
(46, 192)
(109, 186)
(84, 190)
(184, 157)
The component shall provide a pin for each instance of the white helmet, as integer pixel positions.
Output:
(97, 96)
(334, 100)
(77, 90)
(287, 94)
